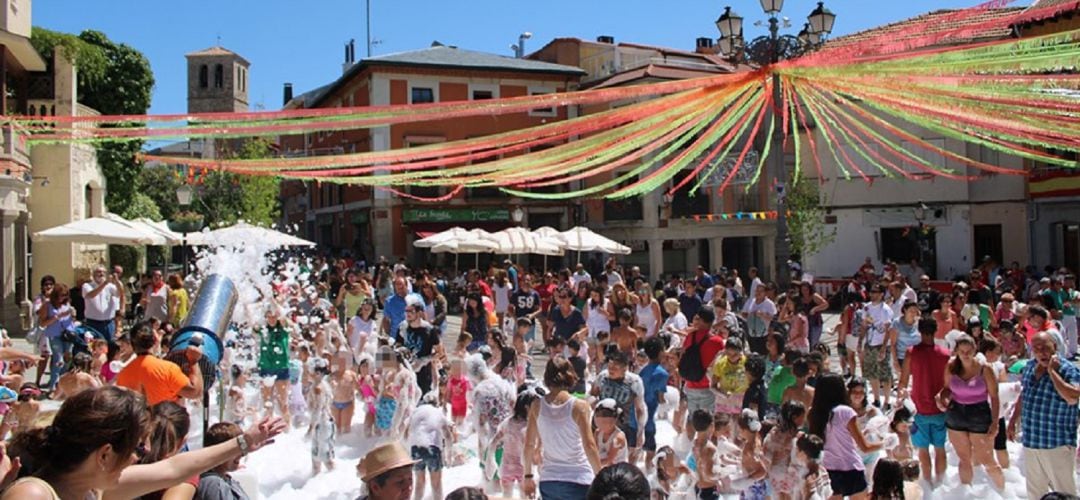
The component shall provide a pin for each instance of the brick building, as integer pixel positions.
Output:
(375, 223)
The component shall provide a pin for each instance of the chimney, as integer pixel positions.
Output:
(704, 45)
(350, 56)
(606, 39)
(287, 94)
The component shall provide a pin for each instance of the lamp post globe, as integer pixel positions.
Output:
(822, 20)
(729, 23)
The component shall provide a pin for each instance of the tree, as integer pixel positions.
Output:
(806, 220)
(224, 198)
(115, 79)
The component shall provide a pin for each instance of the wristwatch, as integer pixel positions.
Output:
(242, 442)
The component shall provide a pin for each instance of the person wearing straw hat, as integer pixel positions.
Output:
(387, 473)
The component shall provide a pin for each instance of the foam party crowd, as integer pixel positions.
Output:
(338, 378)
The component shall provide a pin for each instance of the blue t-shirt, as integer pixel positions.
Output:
(513, 275)
(907, 336)
(394, 309)
(525, 303)
(566, 326)
(655, 378)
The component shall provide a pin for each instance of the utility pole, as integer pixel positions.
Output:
(368, 28)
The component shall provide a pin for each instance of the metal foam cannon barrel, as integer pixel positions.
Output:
(207, 322)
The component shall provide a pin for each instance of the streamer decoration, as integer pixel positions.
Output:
(878, 105)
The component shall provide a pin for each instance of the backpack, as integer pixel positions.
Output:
(690, 368)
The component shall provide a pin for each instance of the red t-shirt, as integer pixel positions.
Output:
(546, 291)
(709, 349)
(484, 288)
(927, 376)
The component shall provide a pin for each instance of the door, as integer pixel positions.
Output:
(988, 242)
(1069, 236)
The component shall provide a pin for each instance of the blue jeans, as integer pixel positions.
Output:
(107, 329)
(562, 490)
(59, 349)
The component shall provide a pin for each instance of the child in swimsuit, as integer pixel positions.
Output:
(322, 429)
(344, 383)
(368, 394)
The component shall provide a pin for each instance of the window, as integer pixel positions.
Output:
(547, 112)
(484, 193)
(988, 241)
(483, 91)
(685, 205)
(204, 77)
(626, 209)
(219, 76)
(482, 95)
(422, 95)
(902, 244)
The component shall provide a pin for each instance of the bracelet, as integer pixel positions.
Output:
(242, 442)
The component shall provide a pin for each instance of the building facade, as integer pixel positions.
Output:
(947, 226)
(18, 61)
(669, 235)
(68, 185)
(371, 223)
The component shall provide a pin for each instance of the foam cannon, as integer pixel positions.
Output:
(207, 322)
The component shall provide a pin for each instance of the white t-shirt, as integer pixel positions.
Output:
(578, 278)
(426, 426)
(753, 287)
(361, 330)
(881, 316)
(502, 296)
(613, 278)
(101, 307)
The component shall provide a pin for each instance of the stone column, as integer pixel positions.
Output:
(23, 286)
(656, 259)
(770, 257)
(716, 251)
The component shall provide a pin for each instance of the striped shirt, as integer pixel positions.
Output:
(1047, 421)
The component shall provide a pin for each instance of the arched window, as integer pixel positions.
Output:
(219, 76)
(204, 77)
(43, 110)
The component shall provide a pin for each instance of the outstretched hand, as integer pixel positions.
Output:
(263, 432)
(9, 469)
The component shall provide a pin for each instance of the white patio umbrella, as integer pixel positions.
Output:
(582, 239)
(242, 232)
(172, 238)
(453, 233)
(107, 230)
(475, 241)
(517, 240)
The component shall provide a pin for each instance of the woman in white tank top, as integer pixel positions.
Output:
(559, 423)
(647, 310)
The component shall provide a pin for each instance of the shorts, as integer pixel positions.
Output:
(974, 418)
(458, 410)
(631, 435)
(511, 471)
(757, 491)
(700, 399)
(280, 375)
(731, 403)
(341, 405)
(384, 413)
(707, 493)
(430, 458)
(875, 368)
(650, 440)
(928, 430)
(847, 482)
(1002, 438)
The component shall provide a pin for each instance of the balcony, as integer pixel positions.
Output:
(13, 151)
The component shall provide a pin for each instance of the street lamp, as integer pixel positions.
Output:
(184, 194)
(765, 51)
(517, 215)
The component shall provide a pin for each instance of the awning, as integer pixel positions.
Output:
(424, 234)
(23, 51)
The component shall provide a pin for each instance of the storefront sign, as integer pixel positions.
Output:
(682, 244)
(456, 214)
(636, 245)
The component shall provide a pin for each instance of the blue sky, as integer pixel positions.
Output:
(302, 41)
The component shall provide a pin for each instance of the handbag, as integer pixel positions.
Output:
(33, 335)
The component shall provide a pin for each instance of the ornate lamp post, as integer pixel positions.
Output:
(764, 51)
(184, 194)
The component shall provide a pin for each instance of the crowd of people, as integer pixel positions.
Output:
(555, 382)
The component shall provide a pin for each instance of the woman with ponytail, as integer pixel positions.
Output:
(95, 439)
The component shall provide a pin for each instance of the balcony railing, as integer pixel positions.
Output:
(13, 148)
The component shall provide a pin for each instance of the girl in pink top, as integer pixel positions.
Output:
(511, 436)
(366, 382)
(832, 419)
(798, 327)
(457, 391)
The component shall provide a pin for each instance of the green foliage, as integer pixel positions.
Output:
(114, 79)
(807, 230)
(159, 183)
(142, 205)
(221, 198)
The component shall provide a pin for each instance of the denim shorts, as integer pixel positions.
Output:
(279, 375)
(430, 458)
(929, 430)
(563, 490)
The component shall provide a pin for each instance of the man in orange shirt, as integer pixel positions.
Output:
(157, 379)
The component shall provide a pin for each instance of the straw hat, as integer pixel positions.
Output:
(384, 458)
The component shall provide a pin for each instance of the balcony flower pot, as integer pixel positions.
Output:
(186, 222)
